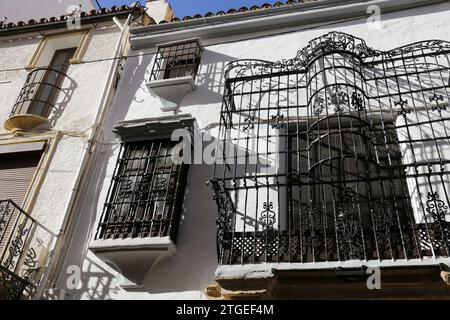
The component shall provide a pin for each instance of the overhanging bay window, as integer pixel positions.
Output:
(139, 223)
(341, 153)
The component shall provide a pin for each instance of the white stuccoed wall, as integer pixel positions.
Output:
(87, 83)
(187, 274)
(75, 121)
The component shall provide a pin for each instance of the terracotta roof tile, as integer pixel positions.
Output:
(124, 8)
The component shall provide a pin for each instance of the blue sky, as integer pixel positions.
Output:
(190, 7)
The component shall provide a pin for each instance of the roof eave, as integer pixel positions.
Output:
(260, 20)
(62, 24)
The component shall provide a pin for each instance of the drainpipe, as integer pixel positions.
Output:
(70, 219)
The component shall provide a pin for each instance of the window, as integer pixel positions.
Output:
(177, 60)
(18, 165)
(146, 193)
(352, 155)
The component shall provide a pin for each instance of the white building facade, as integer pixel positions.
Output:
(327, 125)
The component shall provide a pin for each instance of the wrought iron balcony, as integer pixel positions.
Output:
(24, 245)
(340, 154)
(36, 99)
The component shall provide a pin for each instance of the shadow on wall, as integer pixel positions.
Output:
(63, 99)
(97, 283)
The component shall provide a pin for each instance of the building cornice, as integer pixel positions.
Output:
(294, 15)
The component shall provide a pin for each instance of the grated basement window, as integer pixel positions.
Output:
(146, 193)
(177, 60)
(341, 153)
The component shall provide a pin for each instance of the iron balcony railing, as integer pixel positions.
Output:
(24, 247)
(339, 154)
(39, 93)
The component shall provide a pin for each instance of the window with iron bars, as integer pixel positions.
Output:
(177, 60)
(352, 154)
(146, 193)
(346, 174)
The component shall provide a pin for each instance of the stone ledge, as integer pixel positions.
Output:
(172, 91)
(23, 122)
(396, 283)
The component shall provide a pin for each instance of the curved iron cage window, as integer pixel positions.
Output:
(341, 153)
(146, 193)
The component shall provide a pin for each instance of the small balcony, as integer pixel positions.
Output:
(24, 247)
(36, 100)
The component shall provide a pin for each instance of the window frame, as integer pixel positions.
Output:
(85, 35)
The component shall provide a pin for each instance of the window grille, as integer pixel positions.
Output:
(177, 60)
(341, 153)
(146, 193)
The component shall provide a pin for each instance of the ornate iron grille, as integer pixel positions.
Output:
(177, 60)
(39, 92)
(146, 193)
(341, 153)
(24, 247)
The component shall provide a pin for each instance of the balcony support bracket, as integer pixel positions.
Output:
(171, 91)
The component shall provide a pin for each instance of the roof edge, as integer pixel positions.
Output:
(54, 23)
(296, 14)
